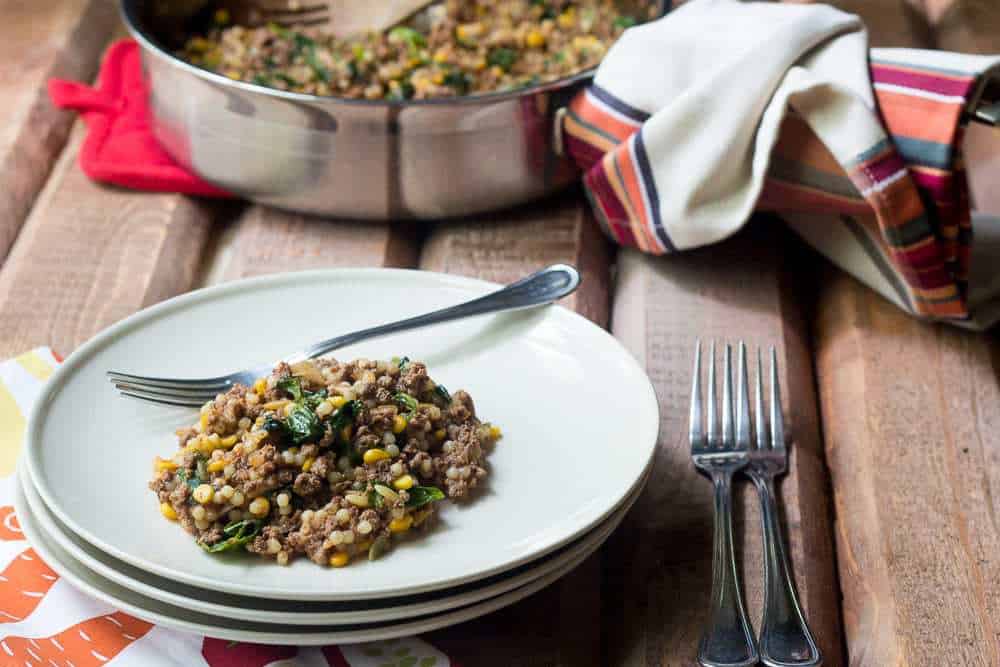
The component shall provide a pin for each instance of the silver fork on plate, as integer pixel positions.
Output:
(543, 287)
(728, 640)
(785, 639)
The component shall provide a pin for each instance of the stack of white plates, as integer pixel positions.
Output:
(578, 414)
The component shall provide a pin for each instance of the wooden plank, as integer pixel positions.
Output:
(40, 40)
(561, 624)
(90, 255)
(265, 240)
(912, 413)
(658, 566)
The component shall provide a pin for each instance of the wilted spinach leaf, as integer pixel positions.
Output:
(237, 534)
(406, 401)
(291, 385)
(502, 57)
(423, 495)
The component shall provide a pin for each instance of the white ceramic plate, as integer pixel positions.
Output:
(220, 627)
(309, 613)
(579, 416)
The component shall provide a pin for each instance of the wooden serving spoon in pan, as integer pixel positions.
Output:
(341, 17)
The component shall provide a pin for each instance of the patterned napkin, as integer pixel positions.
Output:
(45, 622)
(744, 105)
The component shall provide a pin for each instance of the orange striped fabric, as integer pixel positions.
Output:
(912, 185)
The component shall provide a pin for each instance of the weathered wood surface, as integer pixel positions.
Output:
(41, 39)
(560, 625)
(262, 240)
(910, 414)
(90, 255)
(658, 565)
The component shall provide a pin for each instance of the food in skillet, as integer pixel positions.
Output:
(328, 460)
(471, 47)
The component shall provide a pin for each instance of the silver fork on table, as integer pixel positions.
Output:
(728, 640)
(785, 639)
(540, 288)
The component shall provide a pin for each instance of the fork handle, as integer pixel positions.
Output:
(728, 640)
(545, 286)
(785, 640)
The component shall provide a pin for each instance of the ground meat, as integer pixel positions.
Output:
(306, 484)
(334, 484)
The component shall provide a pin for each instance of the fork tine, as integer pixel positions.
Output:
(777, 422)
(760, 425)
(742, 400)
(696, 433)
(727, 398)
(191, 394)
(150, 398)
(207, 385)
(713, 416)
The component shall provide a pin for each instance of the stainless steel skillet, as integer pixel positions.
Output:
(361, 159)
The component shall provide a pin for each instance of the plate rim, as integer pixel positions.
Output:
(319, 637)
(79, 357)
(587, 543)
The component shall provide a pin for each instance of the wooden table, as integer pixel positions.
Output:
(894, 542)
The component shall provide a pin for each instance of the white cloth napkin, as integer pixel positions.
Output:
(680, 131)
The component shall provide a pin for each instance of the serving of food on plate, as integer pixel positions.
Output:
(324, 459)
(466, 47)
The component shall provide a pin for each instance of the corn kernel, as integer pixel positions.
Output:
(260, 386)
(324, 409)
(440, 434)
(216, 466)
(340, 559)
(469, 31)
(275, 405)
(204, 493)
(338, 401)
(495, 432)
(438, 78)
(357, 499)
(534, 39)
(399, 424)
(567, 19)
(496, 71)
(401, 525)
(479, 65)
(203, 421)
(167, 510)
(307, 464)
(375, 455)
(228, 441)
(403, 483)
(163, 464)
(259, 506)
(441, 56)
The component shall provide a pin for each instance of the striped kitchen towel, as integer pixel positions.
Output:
(45, 622)
(782, 107)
